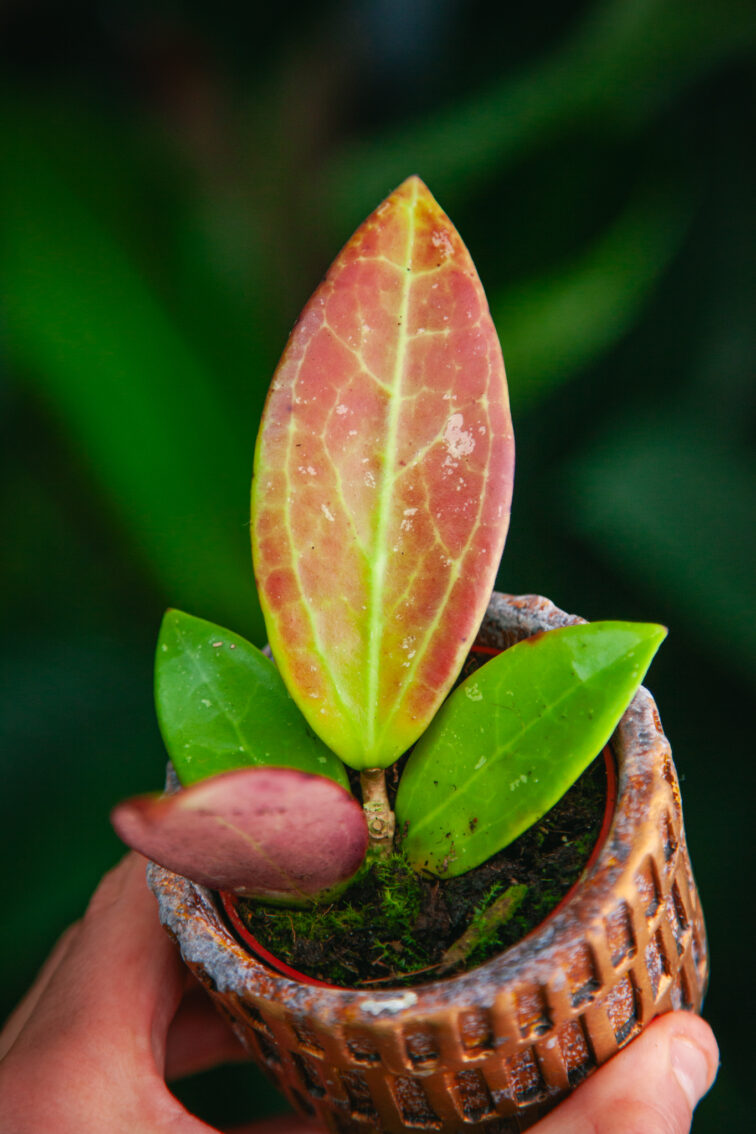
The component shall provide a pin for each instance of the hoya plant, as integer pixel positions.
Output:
(380, 504)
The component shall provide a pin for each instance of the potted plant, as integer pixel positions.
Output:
(383, 476)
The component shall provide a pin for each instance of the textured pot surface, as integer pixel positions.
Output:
(495, 1048)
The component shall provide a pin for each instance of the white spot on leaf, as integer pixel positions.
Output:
(442, 241)
(459, 441)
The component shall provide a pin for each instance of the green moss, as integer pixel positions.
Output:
(394, 926)
(399, 891)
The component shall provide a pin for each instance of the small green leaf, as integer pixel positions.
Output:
(222, 705)
(512, 739)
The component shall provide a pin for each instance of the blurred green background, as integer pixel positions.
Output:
(174, 180)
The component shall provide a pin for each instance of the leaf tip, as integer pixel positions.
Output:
(655, 633)
(171, 616)
(129, 819)
(412, 185)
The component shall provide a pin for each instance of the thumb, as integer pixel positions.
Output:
(652, 1085)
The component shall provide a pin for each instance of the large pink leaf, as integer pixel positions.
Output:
(273, 833)
(383, 481)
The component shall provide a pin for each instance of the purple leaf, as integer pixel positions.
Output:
(273, 833)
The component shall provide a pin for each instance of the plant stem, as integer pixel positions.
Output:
(482, 926)
(380, 818)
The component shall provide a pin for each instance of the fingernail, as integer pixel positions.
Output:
(691, 1069)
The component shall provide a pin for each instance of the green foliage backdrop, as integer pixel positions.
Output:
(173, 182)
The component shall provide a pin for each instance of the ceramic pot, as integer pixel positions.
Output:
(494, 1049)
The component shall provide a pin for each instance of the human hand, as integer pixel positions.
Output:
(113, 1014)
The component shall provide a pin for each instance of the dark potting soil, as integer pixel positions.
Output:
(394, 926)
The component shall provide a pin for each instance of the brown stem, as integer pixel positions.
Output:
(380, 818)
(486, 923)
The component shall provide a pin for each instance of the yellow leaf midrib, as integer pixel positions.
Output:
(379, 563)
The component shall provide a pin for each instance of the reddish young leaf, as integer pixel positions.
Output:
(383, 480)
(271, 833)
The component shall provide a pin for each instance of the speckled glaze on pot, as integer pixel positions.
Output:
(494, 1049)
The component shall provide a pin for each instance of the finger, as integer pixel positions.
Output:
(198, 1037)
(96, 1037)
(23, 1011)
(119, 980)
(652, 1085)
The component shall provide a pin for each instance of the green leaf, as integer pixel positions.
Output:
(512, 739)
(222, 705)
